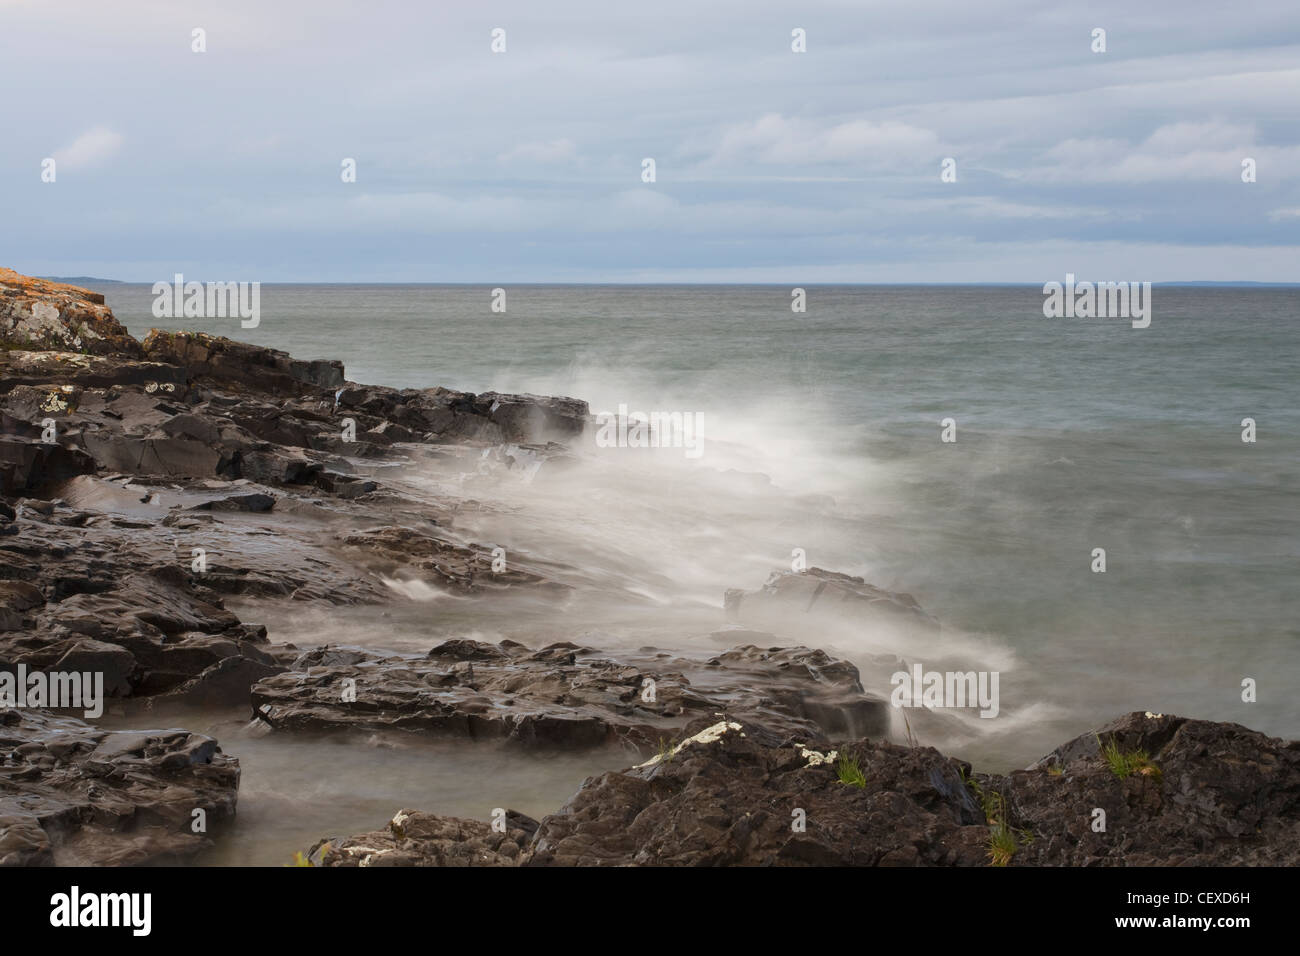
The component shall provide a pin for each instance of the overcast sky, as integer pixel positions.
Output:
(772, 166)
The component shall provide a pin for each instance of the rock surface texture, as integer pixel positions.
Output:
(74, 795)
(734, 794)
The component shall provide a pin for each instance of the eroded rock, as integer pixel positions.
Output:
(567, 696)
(72, 794)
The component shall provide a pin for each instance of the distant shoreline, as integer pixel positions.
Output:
(80, 280)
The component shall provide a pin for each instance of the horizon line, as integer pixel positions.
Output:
(963, 284)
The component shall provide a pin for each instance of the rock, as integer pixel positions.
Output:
(532, 417)
(221, 359)
(1206, 794)
(39, 314)
(26, 465)
(172, 457)
(19, 369)
(254, 502)
(790, 595)
(72, 794)
(731, 792)
(461, 568)
(20, 596)
(413, 838)
(568, 697)
(729, 796)
(225, 684)
(116, 664)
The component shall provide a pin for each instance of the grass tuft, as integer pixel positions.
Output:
(1127, 763)
(847, 769)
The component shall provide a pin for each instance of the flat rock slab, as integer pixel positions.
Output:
(569, 697)
(72, 794)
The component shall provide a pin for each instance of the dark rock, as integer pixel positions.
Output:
(1207, 794)
(732, 792)
(225, 684)
(568, 697)
(26, 465)
(413, 838)
(173, 457)
(728, 796)
(74, 795)
(117, 664)
(788, 595)
(223, 360)
(254, 502)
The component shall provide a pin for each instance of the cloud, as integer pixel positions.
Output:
(1207, 150)
(89, 149)
(774, 139)
(554, 151)
(991, 207)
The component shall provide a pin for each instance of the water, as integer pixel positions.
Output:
(1072, 435)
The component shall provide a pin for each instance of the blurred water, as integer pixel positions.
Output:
(1072, 435)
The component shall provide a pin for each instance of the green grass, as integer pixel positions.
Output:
(1004, 839)
(847, 769)
(990, 803)
(1002, 845)
(665, 750)
(1127, 763)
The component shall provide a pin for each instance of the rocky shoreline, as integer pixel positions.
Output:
(145, 484)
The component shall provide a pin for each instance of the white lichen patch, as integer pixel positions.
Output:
(709, 735)
(1153, 716)
(816, 758)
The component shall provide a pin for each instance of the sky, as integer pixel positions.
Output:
(770, 166)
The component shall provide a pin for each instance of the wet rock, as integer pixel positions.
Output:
(172, 457)
(27, 464)
(456, 566)
(116, 664)
(253, 502)
(224, 684)
(564, 696)
(1193, 793)
(72, 794)
(733, 793)
(413, 838)
(789, 595)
